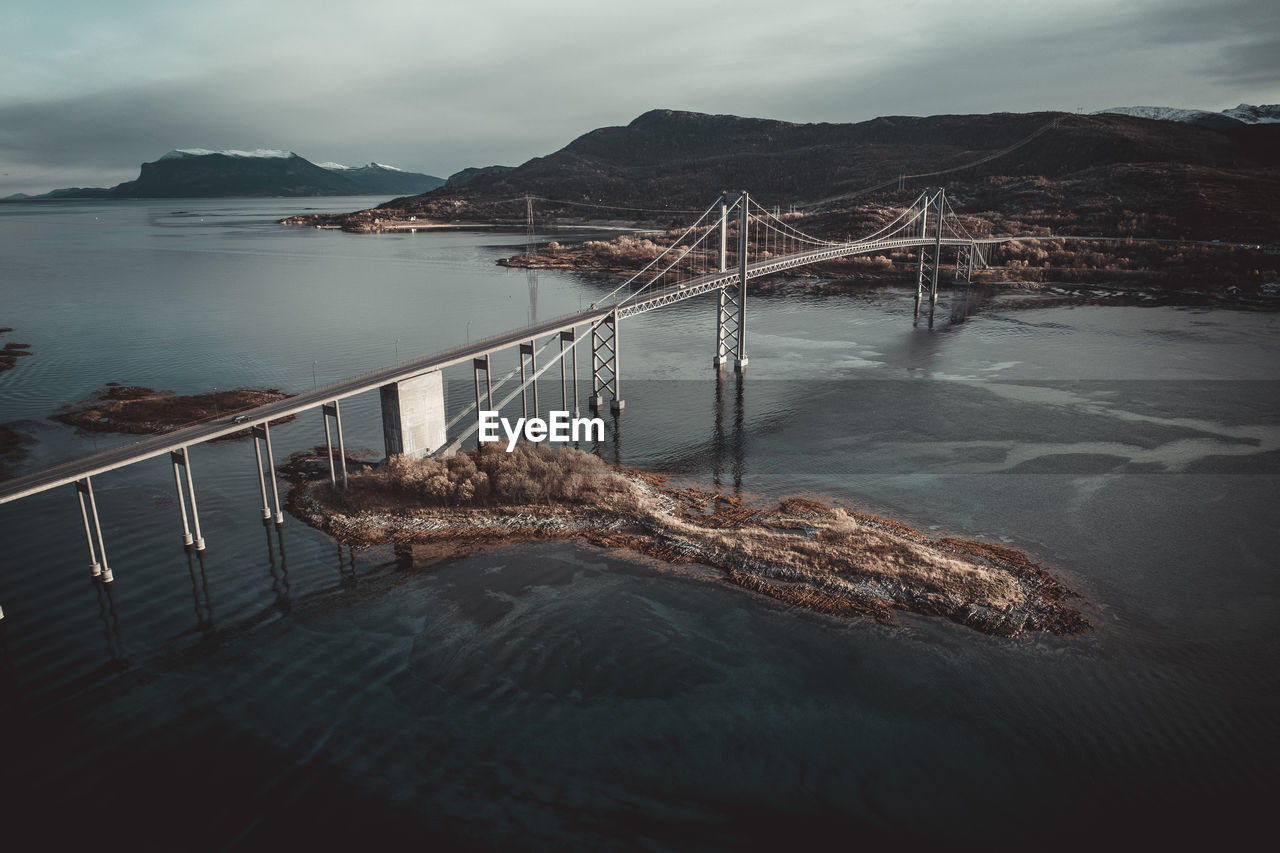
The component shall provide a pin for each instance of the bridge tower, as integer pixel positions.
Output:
(964, 264)
(531, 246)
(930, 256)
(604, 365)
(731, 317)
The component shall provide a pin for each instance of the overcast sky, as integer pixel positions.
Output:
(92, 89)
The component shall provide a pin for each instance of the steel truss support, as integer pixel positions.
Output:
(605, 371)
(731, 315)
(329, 410)
(180, 458)
(93, 531)
(964, 264)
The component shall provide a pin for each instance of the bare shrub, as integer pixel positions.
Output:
(625, 249)
(488, 475)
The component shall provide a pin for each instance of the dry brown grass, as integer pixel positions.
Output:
(840, 546)
(489, 476)
(802, 552)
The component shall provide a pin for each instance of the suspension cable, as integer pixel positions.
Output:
(660, 256)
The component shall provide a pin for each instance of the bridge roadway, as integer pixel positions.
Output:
(713, 281)
(158, 445)
(198, 433)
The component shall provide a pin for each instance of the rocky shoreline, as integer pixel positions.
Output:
(801, 552)
(11, 352)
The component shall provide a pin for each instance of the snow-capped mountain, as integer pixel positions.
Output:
(381, 178)
(1243, 114)
(179, 153)
(1261, 114)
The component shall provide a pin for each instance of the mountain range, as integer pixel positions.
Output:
(1243, 114)
(1086, 174)
(201, 173)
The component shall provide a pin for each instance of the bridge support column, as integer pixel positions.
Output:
(175, 461)
(964, 264)
(413, 422)
(731, 314)
(97, 558)
(332, 410)
(726, 325)
(605, 371)
(937, 244)
(568, 335)
(256, 433)
(574, 355)
(724, 229)
(529, 349)
(477, 365)
(328, 449)
(180, 457)
(263, 434)
(744, 210)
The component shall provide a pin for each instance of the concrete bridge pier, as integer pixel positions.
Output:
(530, 350)
(605, 370)
(262, 482)
(477, 365)
(179, 458)
(568, 335)
(332, 410)
(187, 541)
(263, 433)
(413, 422)
(97, 558)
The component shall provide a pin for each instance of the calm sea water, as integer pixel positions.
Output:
(287, 691)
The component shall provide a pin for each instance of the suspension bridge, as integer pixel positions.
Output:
(733, 241)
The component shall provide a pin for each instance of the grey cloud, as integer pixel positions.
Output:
(473, 93)
(1197, 21)
(1256, 63)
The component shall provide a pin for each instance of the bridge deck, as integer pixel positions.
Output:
(711, 281)
(158, 445)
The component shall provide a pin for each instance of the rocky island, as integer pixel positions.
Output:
(802, 552)
(144, 411)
